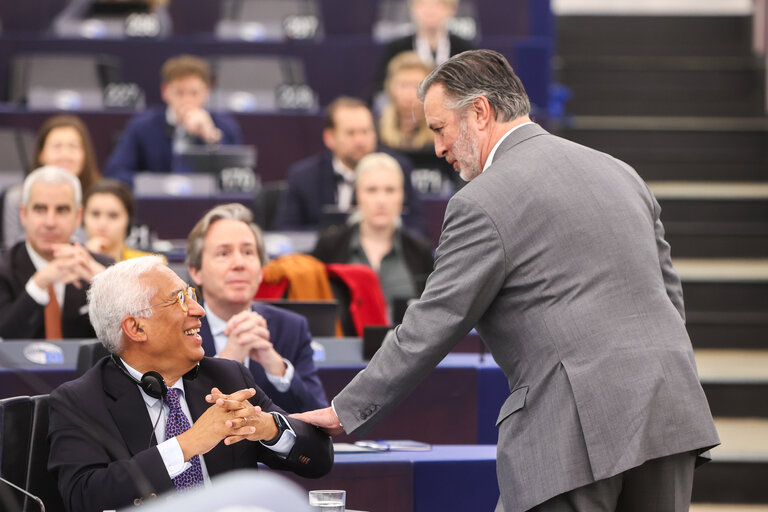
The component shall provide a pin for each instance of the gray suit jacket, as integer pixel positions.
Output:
(557, 255)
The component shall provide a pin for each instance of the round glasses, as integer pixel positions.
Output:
(182, 297)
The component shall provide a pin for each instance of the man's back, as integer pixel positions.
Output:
(578, 295)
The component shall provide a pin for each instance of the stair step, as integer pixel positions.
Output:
(724, 285)
(735, 381)
(654, 35)
(708, 190)
(725, 270)
(733, 367)
(724, 330)
(662, 148)
(664, 86)
(743, 440)
(727, 507)
(697, 239)
(739, 467)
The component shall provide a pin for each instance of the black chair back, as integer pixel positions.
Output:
(39, 482)
(89, 354)
(15, 430)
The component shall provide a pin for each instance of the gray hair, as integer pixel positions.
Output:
(51, 175)
(232, 211)
(118, 292)
(472, 74)
(369, 163)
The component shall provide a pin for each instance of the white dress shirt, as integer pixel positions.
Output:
(489, 160)
(217, 325)
(345, 187)
(170, 450)
(38, 294)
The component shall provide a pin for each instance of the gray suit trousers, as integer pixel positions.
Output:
(661, 485)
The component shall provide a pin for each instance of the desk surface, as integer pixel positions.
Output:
(445, 479)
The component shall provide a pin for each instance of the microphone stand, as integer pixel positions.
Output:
(25, 492)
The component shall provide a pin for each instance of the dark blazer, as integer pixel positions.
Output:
(23, 318)
(100, 437)
(406, 43)
(312, 185)
(333, 247)
(289, 334)
(146, 144)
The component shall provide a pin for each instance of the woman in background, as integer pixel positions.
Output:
(63, 141)
(402, 125)
(374, 235)
(107, 214)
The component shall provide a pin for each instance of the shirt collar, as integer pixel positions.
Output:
(345, 172)
(170, 116)
(442, 52)
(489, 160)
(37, 260)
(216, 324)
(150, 401)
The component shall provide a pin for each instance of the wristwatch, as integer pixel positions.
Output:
(282, 426)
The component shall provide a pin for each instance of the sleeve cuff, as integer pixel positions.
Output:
(284, 445)
(282, 383)
(333, 407)
(38, 294)
(173, 457)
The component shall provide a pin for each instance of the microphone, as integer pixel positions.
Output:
(26, 493)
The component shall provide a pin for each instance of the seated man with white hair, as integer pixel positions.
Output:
(44, 279)
(156, 415)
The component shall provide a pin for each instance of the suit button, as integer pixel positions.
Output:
(363, 415)
(137, 502)
(153, 495)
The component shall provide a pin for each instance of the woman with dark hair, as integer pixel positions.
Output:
(62, 141)
(107, 214)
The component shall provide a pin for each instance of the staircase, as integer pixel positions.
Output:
(680, 98)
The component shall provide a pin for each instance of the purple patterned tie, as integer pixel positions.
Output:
(176, 424)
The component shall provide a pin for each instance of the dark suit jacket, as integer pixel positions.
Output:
(289, 334)
(22, 317)
(100, 437)
(333, 247)
(404, 44)
(312, 185)
(146, 144)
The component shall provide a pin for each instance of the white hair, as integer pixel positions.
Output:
(51, 175)
(118, 292)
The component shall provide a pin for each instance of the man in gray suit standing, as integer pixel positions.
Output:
(555, 252)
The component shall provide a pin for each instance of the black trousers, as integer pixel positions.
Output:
(658, 485)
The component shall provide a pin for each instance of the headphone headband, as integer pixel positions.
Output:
(152, 383)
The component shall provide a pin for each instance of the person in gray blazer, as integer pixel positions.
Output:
(556, 253)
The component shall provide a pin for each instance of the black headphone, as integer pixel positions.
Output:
(151, 382)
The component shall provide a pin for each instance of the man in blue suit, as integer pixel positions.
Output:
(152, 138)
(327, 179)
(225, 254)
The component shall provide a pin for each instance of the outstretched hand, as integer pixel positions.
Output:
(323, 418)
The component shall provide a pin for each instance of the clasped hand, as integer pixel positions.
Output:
(71, 264)
(248, 336)
(230, 418)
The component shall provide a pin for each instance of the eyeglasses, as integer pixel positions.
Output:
(182, 297)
